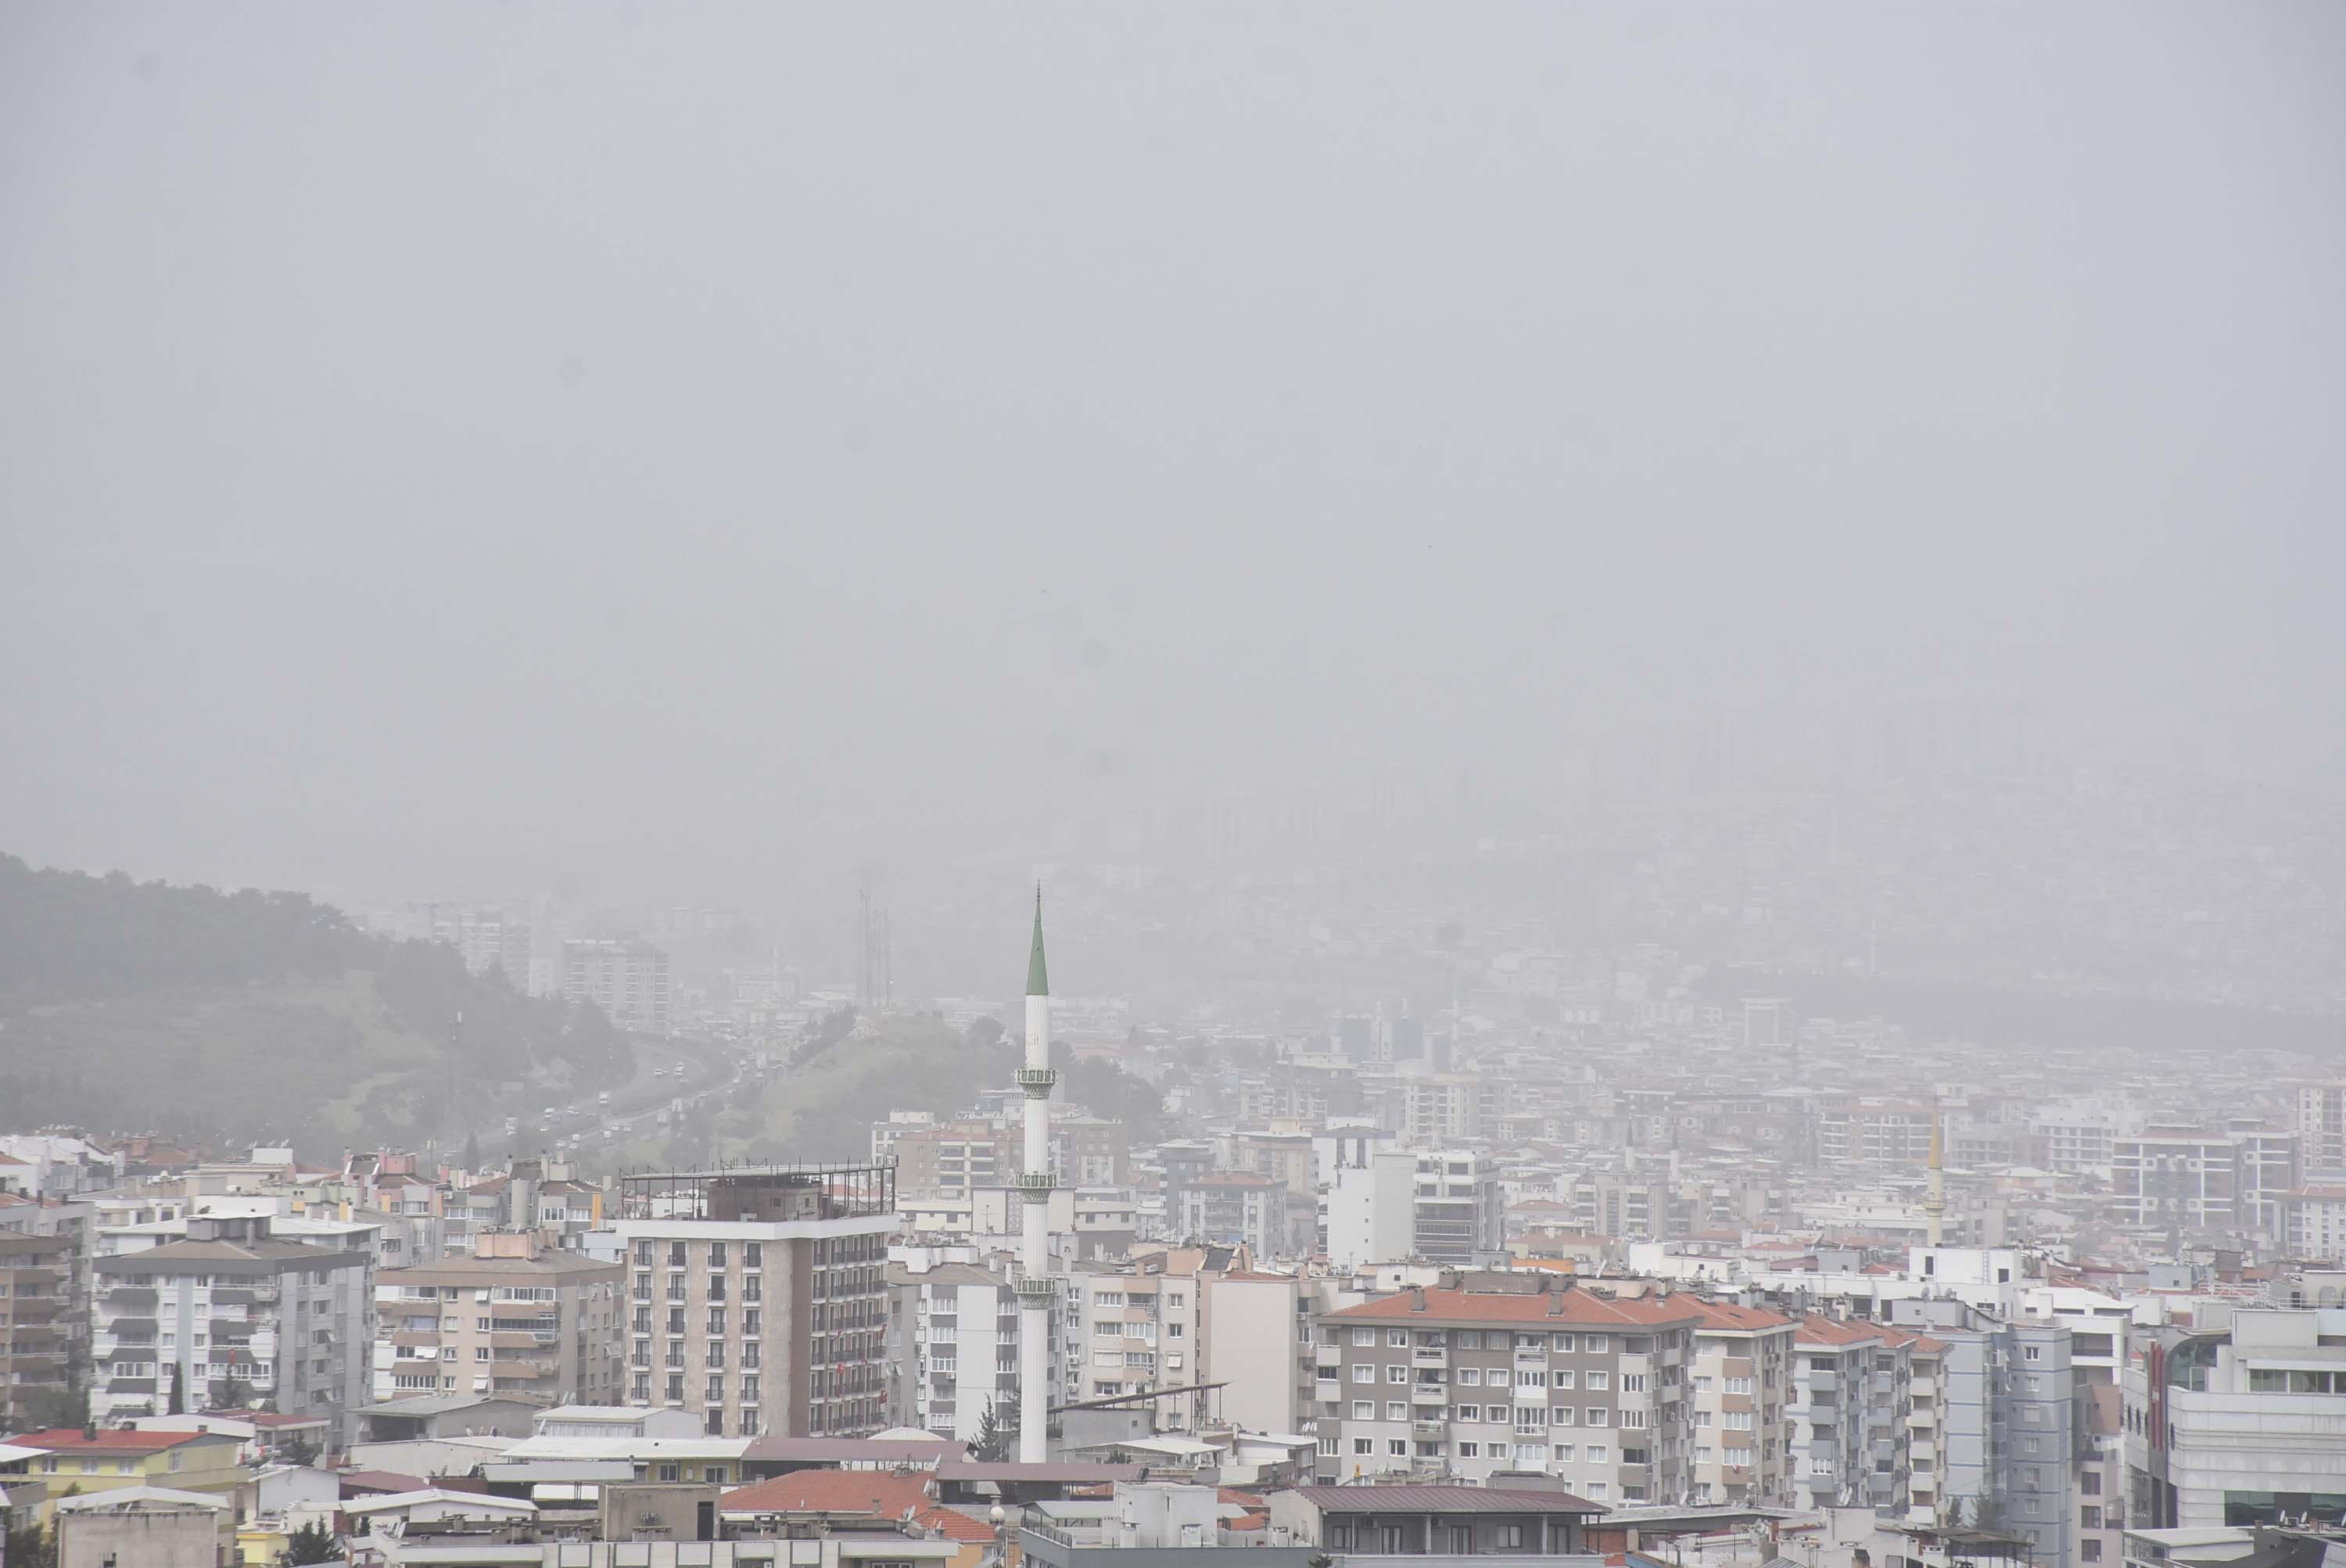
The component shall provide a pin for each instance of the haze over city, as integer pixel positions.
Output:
(1667, 676)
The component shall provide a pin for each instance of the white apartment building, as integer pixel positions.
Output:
(963, 1354)
(2322, 1127)
(231, 1313)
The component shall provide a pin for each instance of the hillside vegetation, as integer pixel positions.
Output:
(136, 1007)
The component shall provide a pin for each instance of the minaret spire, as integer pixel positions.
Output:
(1033, 1282)
(1039, 978)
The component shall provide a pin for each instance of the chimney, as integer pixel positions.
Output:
(1417, 1298)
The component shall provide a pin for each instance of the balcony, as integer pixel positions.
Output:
(1430, 1355)
(1922, 1386)
(1824, 1382)
(1327, 1358)
(1923, 1451)
(1433, 1394)
(1428, 1427)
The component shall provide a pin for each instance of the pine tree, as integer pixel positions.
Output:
(179, 1391)
(311, 1543)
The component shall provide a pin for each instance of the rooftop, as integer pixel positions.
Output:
(1555, 1309)
(1378, 1499)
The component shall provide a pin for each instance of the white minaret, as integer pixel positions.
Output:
(1035, 1286)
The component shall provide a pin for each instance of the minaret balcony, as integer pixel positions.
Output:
(1034, 1290)
(1036, 1080)
(1034, 1185)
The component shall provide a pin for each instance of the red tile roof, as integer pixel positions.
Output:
(109, 1439)
(1728, 1315)
(1826, 1331)
(879, 1494)
(1573, 1309)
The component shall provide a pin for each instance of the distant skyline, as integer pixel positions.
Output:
(694, 451)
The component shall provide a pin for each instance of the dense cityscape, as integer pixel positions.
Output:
(1944, 1273)
(1514, 784)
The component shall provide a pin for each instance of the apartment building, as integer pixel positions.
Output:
(628, 980)
(961, 1352)
(2235, 1177)
(2006, 1420)
(517, 1319)
(1735, 1393)
(758, 1296)
(1831, 1374)
(1127, 1332)
(1441, 1206)
(2313, 1223)
(2240, 1423)
(37, 1322)
(1246, 1208)
(1587, 1388)
(234, 1311)
(1257, 1335)
(2322, 1127)
(1880, 1132)
(958, 1157)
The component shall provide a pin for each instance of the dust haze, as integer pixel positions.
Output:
(699, 454)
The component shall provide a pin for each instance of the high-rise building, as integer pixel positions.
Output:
(758, 1296)
(516, 1319)
(628, 980)
(234, 1310)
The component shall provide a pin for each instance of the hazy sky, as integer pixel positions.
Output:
(452, 446)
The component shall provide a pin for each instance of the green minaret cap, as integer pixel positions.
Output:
(1038, 980)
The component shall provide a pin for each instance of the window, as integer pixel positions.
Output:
(1566, 1377)
(1565, 1342)
(1564, 1453)
(1364, 1409)
(1470, 1377)
(2089, 1551)
(2090, 1516)
(753, 1254)
(1364, 1445)
(1397, 1447)
(1631, 1383)
(1599, 1415)
(2031, 1352)
(1364, 1335)
(1396, 1410)
(1396, 1373)
(1598, 1344)
(1563, 1416)
(1527, 1378)
(1597, 1381)
(1599, 1454)
(1469, 1413)
(1470, 1451)
(1364, 1372)
(1397, 1337)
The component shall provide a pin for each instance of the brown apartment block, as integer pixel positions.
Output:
(517, 1319)
(757, 1296)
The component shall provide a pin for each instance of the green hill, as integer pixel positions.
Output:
(129, 1006)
